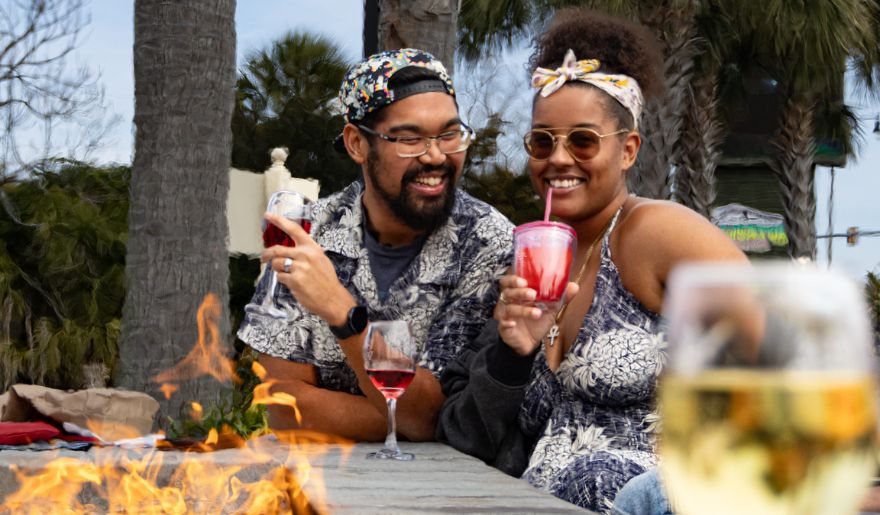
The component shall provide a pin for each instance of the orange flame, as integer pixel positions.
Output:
(168, 389)
(262, 396)
(116, 483)
(58, 486)
(194, 481)
(206, 357)
(197, 411)
(112, 431)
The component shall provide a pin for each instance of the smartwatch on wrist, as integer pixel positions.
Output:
(355, 323)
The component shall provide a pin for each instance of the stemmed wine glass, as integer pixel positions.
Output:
(390, 356)
(768, 400)
(293, 206)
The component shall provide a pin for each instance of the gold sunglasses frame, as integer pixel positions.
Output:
(556, 137)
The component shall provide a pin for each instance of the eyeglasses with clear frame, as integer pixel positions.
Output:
(581, 143)
(450, 142)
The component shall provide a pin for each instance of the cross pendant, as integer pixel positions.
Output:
(553, 334)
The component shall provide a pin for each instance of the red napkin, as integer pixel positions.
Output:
(21, 433)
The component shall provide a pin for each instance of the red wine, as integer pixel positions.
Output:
(392, 383)
(272, 235)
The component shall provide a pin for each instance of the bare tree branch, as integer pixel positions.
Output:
(40, 91)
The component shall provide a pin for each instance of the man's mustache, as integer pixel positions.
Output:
(447, 169)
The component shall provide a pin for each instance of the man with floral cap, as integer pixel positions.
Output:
(401, 243)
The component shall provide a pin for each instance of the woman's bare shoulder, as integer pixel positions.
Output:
(662, 234)
(651, 212)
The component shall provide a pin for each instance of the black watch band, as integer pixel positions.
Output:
(355, 323)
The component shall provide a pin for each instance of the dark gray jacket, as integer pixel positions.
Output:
(484, 388)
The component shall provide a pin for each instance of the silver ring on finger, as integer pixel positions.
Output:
(288, 262)
(503, 299)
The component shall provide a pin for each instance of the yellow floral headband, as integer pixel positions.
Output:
(622, 88)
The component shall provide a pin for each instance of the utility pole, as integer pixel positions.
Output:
(830, 214)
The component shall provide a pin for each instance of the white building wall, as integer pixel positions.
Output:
(248, 195)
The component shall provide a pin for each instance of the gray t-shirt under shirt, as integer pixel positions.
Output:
(387, 262)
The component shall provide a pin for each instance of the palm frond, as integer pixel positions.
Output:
(701, 137)
(809, 42)
(793, 166)
(285, 96)
(490, 26)
(663, 116)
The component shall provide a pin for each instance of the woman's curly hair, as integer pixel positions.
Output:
(620, 46)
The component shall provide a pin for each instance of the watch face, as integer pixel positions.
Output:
(355, 324)
(357, 319)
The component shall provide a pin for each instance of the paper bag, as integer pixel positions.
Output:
(111, 414)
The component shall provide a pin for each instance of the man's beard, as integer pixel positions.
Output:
(417, 213)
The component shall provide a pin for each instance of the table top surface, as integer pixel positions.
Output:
(439, 480)
(340, 478)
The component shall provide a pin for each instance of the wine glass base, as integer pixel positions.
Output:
(391, 454)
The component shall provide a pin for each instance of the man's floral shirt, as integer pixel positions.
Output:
(447, 293)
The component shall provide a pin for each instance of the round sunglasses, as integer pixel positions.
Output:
(581, 143)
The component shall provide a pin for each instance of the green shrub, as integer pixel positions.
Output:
(62, 274)
(233, 411)
(63, 232)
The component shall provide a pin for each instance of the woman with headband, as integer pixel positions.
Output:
(567, 398)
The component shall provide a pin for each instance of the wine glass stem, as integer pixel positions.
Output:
(269, 299)
(391, 439)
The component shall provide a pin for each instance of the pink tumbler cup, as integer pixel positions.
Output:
(542, 256)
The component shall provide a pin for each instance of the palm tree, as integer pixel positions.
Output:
(430, 25)
(673, 21)
(811, 44)
(703, 130)
(793, 165)
(738, 39)
(702, 134)
(285, 96)
(488, 26)
(184, 67)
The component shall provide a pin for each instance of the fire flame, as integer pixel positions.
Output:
(154, 481)
(197, 411)
(117, 484)
(168, 389)
(264, 397)
(206, 357)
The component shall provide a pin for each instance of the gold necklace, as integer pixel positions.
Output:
(554, 330)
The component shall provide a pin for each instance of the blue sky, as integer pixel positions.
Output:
(107, 47)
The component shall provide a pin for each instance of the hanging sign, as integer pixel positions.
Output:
(751, 229)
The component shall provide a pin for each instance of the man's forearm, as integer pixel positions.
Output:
(419, 408)
(326, 411)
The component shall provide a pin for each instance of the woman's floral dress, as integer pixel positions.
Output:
(595, 417)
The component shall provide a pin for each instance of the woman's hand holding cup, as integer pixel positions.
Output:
(522, 326)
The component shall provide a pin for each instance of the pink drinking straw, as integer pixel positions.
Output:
(547, 202)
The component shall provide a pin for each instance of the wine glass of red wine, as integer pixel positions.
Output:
(390, 356)
(293, 206)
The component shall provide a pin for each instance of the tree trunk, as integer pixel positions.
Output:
(673, 23)
(371, 27)
(184, 68)
(793, 166)
(430, 25)
(700, 143)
